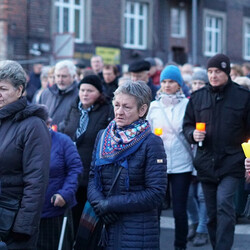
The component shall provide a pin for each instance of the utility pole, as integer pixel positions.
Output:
(194, 32)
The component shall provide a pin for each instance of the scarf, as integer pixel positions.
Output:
(173, 99)
(116, 144)
(84, 120)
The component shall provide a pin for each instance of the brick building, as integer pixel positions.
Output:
(124, 30)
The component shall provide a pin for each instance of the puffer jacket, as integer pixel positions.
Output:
(137, 207)
(24, 161)
(178, 155)
(65, 166)
(226, 112)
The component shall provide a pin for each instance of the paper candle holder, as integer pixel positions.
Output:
(201, 126)
(246, 148)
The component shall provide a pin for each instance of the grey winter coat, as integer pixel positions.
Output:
(59, 102)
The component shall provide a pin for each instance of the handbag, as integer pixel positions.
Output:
(8, 211)
(91, 229)
(247, 208)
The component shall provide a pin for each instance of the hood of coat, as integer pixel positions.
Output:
(20, 110)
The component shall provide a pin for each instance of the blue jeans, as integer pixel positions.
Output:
(179, 189)
(196, 207)
(221, 213)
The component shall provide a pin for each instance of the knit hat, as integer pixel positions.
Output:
(139, 66)
(221, 62)
(172, 72)
(93, 80)
(201, 75)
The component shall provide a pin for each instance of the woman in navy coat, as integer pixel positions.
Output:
(131, 211)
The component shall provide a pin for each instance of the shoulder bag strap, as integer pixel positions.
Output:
(115, 180)
(175, 132)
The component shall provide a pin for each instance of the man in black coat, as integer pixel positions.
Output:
(225, 108)
(140, 72)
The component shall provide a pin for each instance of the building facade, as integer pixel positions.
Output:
(124, 30)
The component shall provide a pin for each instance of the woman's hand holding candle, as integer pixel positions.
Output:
(247, 167)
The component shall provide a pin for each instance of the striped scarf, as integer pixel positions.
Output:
(84, 120)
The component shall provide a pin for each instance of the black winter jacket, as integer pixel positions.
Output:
(226, 113)
(99, 117)
(137, 208)
(109, 88)
(24, 161)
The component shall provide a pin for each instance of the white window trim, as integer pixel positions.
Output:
(72, 7)
(246, 37)
(215, 14)
(183, 22)
(136, 18)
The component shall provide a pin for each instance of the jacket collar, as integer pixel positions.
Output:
(220, 89)
(13, 108)
(20, 110)
(55, 90)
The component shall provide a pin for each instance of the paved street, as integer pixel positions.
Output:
(241, 240)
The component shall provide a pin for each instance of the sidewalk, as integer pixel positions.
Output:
(241, 239)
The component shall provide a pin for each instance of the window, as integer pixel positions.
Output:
(213, 33)
(70, 17)
(178, 23)
(246, 45)
(136, 16)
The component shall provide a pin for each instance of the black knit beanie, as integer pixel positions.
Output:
(93, 80)
(221, 62)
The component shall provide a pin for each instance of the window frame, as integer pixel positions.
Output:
(246, 39)
(215, 15)
(137, 18)
(182, 22)
(72, 7)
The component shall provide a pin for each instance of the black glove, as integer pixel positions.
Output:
(100, 207)
(20, 236)
(110, 218)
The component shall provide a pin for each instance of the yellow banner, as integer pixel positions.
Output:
(109, 55)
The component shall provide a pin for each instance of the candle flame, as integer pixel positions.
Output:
(54, 128)
(158, 131)
(249, 141)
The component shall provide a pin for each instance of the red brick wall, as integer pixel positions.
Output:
(106, 22)
(28, 23)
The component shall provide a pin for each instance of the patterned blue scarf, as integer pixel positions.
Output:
(116, 144)
(84, 120)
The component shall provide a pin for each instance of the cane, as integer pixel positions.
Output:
(65, 218)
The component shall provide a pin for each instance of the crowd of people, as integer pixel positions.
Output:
(69, 132)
